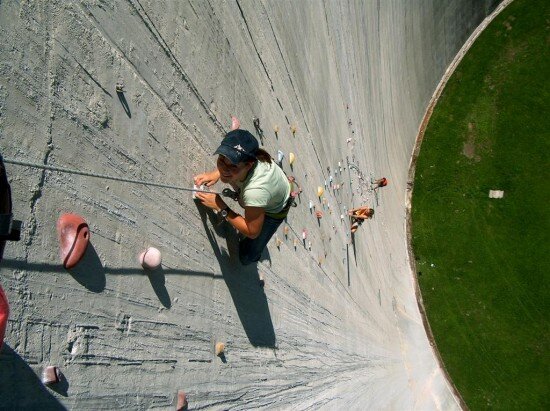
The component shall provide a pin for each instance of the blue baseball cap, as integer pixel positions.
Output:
(238, 146)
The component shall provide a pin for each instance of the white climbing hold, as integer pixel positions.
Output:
(150, 259)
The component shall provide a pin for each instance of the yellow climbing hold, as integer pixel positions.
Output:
(320, 191)
(291, 158)
(293, 129)
(220, 349)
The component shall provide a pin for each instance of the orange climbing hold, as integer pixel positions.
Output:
(74, 236)
(4, 313)
(319, 214)
(220, 349)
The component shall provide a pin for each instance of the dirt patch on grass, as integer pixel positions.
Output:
(469, 148)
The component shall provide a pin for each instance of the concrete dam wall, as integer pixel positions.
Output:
(337, 324)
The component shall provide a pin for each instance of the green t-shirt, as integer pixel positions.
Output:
(266, 186)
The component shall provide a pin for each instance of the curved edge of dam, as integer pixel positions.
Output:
(337, 323)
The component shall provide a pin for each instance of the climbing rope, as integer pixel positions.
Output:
(107, 177)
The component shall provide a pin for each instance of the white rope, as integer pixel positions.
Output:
(84, 173)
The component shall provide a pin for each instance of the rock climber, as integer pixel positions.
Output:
(381, 182)
(358, 216)
(263, 191)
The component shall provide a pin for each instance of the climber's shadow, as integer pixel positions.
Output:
(20, 388)
(242, 281)
(124, 102)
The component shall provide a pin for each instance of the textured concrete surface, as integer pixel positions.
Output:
(335, 326)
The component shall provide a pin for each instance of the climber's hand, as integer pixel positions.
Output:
(209, 179)
(211, 200)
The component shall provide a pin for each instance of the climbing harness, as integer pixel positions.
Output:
(225, 192)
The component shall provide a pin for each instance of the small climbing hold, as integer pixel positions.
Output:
(280, 156)
(256, 122)
(342, 217)
(4, 314)
(74, 235)
(194, 193)
(304, 234)
(150, 259)
(119, 87)
(220, 349)
(309, 246)
(295, 243)
(319, 214)
(320, 191)
(235, 123)
(293, 129)
(326, 184)
(285, 230)
(381, 182)
(330, 178)
(291, 158)
(276, 130)
(278, 242)
(51, 375)
(182, 403)
(348, 140)
(311, 205)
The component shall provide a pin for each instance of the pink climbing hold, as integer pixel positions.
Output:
(4, 313)
(150, 259)
(235, 123)
(74, 236)
(51, 375)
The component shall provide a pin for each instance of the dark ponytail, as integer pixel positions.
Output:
(263, 156)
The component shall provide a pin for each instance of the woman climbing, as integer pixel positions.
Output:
(358, 216)
(263, 191)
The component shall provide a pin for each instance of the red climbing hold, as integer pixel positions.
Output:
(4, 313)
(74, 236)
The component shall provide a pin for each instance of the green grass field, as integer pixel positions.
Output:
(486, 295)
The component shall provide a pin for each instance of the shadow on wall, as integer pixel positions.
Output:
(242, 282)
(19, 385)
